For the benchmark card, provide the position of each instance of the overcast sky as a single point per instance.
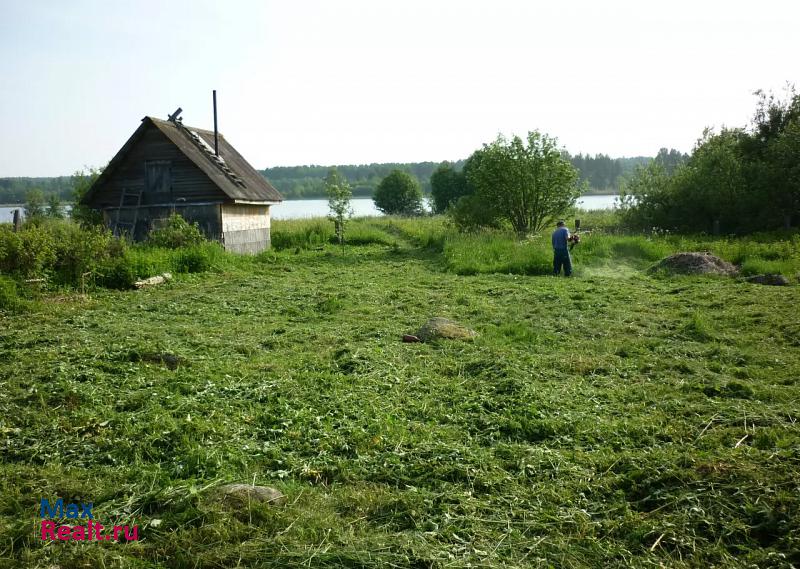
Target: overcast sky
(315, 82)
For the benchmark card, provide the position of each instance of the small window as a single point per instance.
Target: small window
(158, 181)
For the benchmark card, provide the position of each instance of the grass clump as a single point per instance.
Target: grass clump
(316, 233)
(494, 252)
(301, 233)
(9, 297)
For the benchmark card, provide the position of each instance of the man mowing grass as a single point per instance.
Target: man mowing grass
(561, 239)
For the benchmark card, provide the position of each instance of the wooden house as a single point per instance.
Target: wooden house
(166, 167)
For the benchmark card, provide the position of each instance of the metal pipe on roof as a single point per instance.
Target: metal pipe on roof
(216, 135)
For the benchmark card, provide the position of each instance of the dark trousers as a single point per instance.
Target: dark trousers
(561, 258)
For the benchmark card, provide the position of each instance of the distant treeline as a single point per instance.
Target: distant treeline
(15, 190)
(295, 182)
(602, 173)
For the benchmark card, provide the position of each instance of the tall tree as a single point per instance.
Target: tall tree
(772, 153)
(526, 184)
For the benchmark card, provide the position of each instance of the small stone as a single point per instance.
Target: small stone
(171, 361)
(769, 279)
(241, 495)
(442, 328)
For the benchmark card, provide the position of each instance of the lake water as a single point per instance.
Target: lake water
(293, 209)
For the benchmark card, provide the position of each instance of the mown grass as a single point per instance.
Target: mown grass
(606, 420)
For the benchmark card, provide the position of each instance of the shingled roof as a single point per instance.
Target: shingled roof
(230, 172)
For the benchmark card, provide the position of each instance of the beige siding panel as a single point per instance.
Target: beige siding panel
(245, 228)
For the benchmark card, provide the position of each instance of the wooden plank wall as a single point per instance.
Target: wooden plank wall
(189, 183)
(207, 217)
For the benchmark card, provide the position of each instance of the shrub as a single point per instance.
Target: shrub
(470, 213)
(197, 259)
(398, 194)
(81, 251)
(57, 249)
(447, 186)
(28, 253)
(176, 233)
(119, 273)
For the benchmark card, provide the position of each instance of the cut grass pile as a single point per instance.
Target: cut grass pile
(592, 422)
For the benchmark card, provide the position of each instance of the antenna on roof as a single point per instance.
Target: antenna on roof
(174, 116)
(216, 135)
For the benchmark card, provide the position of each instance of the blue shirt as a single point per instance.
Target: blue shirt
(560, 237)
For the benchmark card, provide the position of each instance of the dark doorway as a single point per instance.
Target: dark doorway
(157, 182)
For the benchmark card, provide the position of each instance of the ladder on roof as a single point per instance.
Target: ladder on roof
(129, 227)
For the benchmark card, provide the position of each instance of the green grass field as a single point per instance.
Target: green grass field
(609, 420)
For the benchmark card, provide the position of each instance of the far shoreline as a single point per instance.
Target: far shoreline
(309, 198)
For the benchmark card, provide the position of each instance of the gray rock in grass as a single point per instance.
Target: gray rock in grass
(241, 495)
(769, 279)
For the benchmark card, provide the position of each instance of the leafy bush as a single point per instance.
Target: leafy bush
(447, 186)
(198, 259)
(28, 253)
(470, 213)
(78, 252)
(118, 273)
(56, 249)
(176, 233)
(399, 194)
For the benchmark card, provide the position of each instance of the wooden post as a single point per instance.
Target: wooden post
(577, 225)
(17, 221)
